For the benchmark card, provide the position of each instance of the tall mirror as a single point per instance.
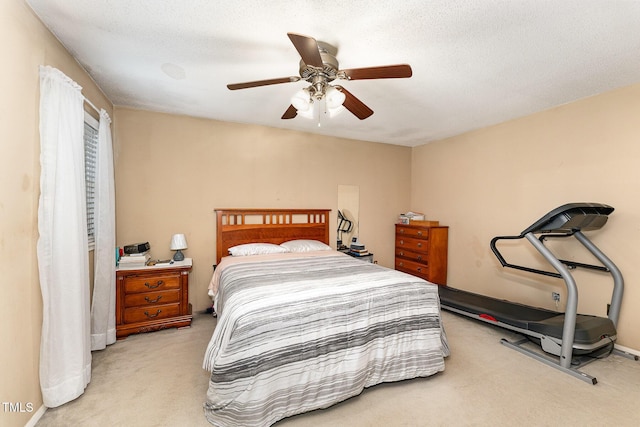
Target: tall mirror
(348, 212)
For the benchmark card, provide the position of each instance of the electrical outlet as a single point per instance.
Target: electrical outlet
(555, 296)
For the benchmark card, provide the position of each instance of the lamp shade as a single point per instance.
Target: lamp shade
(334, 97)
(309, 113)
(301, 100)
(178, 242)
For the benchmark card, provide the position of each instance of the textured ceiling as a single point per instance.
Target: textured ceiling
(475, 63)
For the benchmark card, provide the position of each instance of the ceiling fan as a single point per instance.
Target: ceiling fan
(319, 67)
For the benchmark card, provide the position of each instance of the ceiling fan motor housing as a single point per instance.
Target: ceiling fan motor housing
(330, 64)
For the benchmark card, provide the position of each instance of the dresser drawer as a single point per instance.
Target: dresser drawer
(415, 268)
(409, 243)
(419, 257)
(419, 233)
(151, 298)
(153, 312)
(157, 282)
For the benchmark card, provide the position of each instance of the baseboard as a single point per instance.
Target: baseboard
(627, 349)
(36, 416)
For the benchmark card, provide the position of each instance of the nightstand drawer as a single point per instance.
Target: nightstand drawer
(154, 312)
(411, 244)
(156, 282)
(150, 298)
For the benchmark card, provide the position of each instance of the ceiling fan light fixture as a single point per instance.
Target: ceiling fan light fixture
(335, 111)
(334, 98)
(309, 113)
(301, 100)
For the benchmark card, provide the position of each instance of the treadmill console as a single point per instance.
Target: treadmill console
(572, 217)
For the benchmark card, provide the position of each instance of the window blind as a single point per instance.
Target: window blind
(90, 157)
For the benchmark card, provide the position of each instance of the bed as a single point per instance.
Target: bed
(306, 327)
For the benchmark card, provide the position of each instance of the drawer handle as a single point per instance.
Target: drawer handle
(401, 253)
(151, 301)
(401, 230)
(419, 233)
(401, 264)
(402, 242)
(158, 284)
(419, 245)
(419, 257)
(151, 316)
(419, 269)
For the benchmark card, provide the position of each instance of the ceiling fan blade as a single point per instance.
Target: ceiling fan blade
(290, 113)
(257, 83)
(307, 47)
(384, 72)
(353, 104)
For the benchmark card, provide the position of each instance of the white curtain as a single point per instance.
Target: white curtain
(65, 348)
(103, 307)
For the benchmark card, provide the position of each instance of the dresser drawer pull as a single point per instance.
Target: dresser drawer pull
(402, 242)
(401, 264)
(151, 316)
(419, 245)
(401, 253)
(151, 301)
(419, 269)
(158, 284)
(419, 233)
(419, 258)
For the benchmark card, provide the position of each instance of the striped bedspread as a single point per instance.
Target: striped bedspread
(298, 333)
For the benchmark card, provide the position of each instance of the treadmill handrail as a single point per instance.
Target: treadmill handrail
(504, 262)
(575, 264)
(569, 263)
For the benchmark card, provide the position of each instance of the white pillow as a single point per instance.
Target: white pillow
(256, 249)
(305, 246)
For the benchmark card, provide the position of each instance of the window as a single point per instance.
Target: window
(90, 156)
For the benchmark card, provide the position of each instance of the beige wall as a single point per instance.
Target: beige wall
(25, 44)
(173, 171)
(499, 180)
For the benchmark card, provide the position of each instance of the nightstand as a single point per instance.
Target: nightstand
(152, 298)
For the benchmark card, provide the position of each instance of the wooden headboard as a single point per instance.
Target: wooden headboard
(240, 226)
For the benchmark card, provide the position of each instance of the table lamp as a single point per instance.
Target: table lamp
(178, 243)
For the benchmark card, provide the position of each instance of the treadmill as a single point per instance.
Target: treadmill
(572, 339)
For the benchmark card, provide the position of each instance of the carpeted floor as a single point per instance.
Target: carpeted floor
(156, 379)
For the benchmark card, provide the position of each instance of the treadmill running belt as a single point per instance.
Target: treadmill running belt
(589, 329)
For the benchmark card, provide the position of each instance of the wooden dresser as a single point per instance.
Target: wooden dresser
(152, 298)
(421, 250)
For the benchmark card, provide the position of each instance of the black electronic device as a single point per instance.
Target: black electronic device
(136, 248)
